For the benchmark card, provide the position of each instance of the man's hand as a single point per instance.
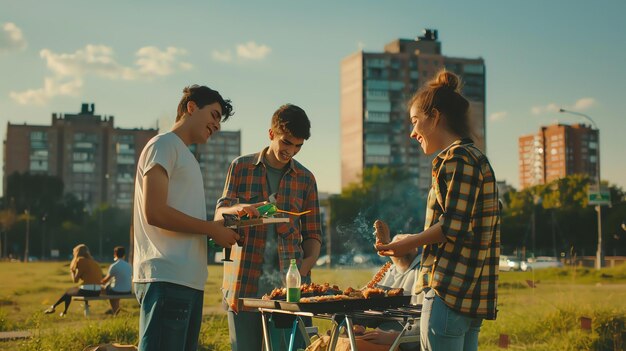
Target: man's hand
(223, 236)
(307, 265)
(358, 329)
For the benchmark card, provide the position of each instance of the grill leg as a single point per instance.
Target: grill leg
(266, 333)
(335, 331)
(86, 308)
(350, 332)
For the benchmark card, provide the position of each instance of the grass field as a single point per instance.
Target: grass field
(543, 318)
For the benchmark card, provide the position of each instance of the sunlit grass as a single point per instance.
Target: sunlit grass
(543, 318)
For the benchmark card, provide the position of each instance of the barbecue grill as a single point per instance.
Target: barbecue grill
(342, 313)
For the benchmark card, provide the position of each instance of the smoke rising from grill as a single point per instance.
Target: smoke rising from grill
(389, 195)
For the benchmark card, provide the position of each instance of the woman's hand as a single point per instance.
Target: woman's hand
(381, 231)
(398, 248)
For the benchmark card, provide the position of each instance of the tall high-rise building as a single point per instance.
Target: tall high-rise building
(557, 151)
(375, 90)
(215, 157)
(95, 160)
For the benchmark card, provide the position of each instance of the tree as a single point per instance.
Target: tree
(563, 218)
(38, 193)
(7, 220)
(382, 193)
(42, 195)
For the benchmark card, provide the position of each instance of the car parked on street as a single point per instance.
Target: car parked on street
(540, 263)
(510, 263)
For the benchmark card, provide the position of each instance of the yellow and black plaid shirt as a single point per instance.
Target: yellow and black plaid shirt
(463, 270)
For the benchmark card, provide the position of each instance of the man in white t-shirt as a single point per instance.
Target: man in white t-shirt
(118, 280)
(170, 226)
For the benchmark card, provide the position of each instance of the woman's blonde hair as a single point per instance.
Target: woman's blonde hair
(81, 250)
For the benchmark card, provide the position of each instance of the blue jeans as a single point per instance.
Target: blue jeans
(442, 328)
(170, 316)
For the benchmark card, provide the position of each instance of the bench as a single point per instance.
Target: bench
(15, 335)
(86, 299)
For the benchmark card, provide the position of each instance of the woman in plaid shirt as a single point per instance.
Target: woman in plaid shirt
(461, 237)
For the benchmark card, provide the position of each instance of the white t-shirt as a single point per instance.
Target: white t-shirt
(394, 278)
(121, 274)
(162, 255)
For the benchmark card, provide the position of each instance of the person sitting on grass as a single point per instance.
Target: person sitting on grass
(119, 279)
(82, 268)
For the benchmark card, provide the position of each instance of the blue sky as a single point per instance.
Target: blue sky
(132, 59)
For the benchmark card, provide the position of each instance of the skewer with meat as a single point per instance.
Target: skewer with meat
(383, 236)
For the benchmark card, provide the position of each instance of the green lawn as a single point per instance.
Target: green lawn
(543, 318)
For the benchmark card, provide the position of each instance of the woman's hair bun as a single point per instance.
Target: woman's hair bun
(448, 80)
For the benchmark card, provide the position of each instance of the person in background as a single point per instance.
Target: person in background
(261, 264)
(118, 280)
(400, 274)
(171, 228)
(85, 269)
(461, 237)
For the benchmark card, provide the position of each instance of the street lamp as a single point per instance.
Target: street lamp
(104, 198)
(43, 236)
(27, 215)
(598, 206)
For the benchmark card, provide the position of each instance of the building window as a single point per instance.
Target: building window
(377, 94)
(38, 151)
(377, 117)
(376, 62)
(377, 160)
(83, 167)
(81, 156)
(473, 69)
(379, 106)
(376, 138)
(377, 149)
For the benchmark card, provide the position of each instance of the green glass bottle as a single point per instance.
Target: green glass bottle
(293, 282)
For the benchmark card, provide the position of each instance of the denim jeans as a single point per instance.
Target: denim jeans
(442, 328)
(170, 316)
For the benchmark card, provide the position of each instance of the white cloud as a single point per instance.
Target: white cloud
(52, 87)
(253, 51)
(584, 103)
(222, 56)
(498, 116)
(539, 110)
(580, 105)
(11, 38)
(152, 61)
(93, 59)
(68, 69)
(185, 66)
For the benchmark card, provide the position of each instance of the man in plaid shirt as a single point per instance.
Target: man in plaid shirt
(262, 262)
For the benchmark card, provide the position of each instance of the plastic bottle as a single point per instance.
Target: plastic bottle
(293, 282)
